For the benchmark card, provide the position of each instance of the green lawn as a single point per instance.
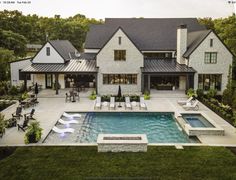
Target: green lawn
(82, 162)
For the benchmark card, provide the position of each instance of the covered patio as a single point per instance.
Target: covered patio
(166, 75)
(76, 74)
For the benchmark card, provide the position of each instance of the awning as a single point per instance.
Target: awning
(73, 66)
(165, 66)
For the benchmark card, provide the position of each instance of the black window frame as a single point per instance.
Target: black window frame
(48, 51)
(215, 82)
(210, 58)
(120, 55)
(211, 42)
(125, 79)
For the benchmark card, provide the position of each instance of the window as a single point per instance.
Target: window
(167, 55)
(209, 81)
(48, 51)
(119, 78)
(22, 75)
(120, 55)
(211, 42)
(210, 57)
(119, 40)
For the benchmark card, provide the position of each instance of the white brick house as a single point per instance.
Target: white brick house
(138, 55)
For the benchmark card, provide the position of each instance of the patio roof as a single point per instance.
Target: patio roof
(73, 66)
(165, 66)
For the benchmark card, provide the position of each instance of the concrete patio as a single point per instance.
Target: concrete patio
(49, 110)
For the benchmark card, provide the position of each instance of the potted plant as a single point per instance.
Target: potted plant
(2, 125)
(34, 133)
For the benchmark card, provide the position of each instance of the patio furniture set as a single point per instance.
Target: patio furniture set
(72, 95)
(189, 104)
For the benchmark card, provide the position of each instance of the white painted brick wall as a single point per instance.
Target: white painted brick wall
(224, 59)
(107, 65)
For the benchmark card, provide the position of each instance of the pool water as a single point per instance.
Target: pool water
(197, 120)
(159, 127)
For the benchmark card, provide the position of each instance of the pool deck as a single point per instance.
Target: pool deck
(49, 110)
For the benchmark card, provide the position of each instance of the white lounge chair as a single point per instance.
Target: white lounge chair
(68, 122)
(142, 104)
(183, 102)
(60, 131)
(112, 104)
(98, 103)
(71, 115)
(127, 103)
(193, 105)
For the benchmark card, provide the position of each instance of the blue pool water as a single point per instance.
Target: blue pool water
(197, 120)
(159, 127)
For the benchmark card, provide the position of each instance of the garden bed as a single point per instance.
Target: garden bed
(5, 104)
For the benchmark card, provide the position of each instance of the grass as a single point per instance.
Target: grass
(86, 162)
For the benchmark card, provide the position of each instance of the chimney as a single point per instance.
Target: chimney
(182, 32)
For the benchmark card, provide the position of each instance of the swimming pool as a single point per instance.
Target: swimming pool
(159, 127)
(197, 120)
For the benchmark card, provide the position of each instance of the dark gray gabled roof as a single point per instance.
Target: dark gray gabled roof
(145, 33)
(165, 66)
(77, 66)
(194, 40)
(88, 56)
(64, 48)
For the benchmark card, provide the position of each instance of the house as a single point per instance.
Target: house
(138, 54)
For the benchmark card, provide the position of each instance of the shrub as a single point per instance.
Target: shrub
(211, 93)
(191, 93)
(200, 93)
(227, 97)
(147, 95)
(93, 95)
(13, 90)
(2, 91)
(2, 125)
(25, 95)
(34, 133)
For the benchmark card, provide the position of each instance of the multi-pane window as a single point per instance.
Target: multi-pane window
(48, 51)
(119, 55)
(119, 78)
(209, 81)
(22, 76)
(210, 57)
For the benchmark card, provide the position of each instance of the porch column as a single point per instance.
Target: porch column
(149, 83)
(56, 83)
(25, 82)
(96, 82)
(142, 83)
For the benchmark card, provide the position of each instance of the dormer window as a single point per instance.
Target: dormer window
(119, 40)
(48, 51)
(211, 42)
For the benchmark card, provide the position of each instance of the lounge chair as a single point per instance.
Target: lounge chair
(142, 104)
(127, 103)
(68, 122)
(60, 131)
(98, 103)
(23, 126)
(18, 113)
(193, 105)
(112, 104)
(71, 115)
(33, 101)
(183, 102)
(30, 115)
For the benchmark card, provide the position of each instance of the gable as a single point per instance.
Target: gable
(106, 53)
(204, 40)
(54, 57)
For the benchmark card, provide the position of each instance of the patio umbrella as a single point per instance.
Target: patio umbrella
(119, 95)
(36, 89)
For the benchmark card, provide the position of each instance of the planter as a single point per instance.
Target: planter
(32, 138)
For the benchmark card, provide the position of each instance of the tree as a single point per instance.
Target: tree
(5, 57)
(13, 41)
(228, 93)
